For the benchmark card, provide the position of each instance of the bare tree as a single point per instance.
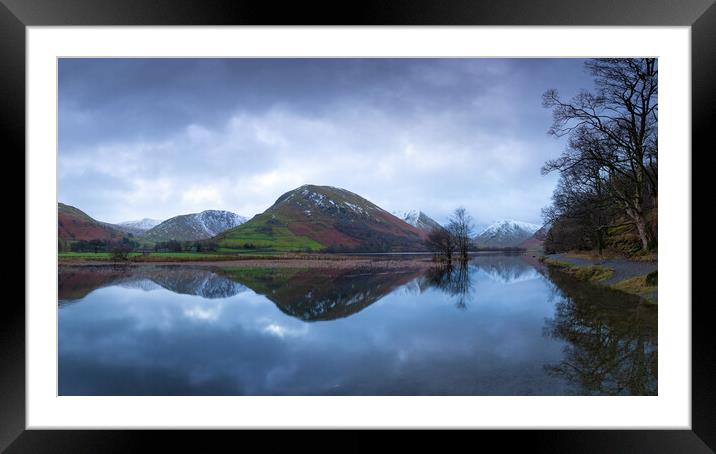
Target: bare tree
(440, 241)
(582, 209)
(461, 228)
(614, 134)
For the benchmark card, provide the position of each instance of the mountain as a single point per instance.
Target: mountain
(506, 233)
(195, 226)
(75, 224)
(536, 241)
(324, 217)
(419, 220)
(541, 234)
(142, 224)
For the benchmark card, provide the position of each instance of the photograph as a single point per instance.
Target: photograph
(425, 217)
(286, 226)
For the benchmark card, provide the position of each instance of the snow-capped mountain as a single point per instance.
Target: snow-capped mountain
(506, 233)
(418, 219)
(142, 224)
(195, 226)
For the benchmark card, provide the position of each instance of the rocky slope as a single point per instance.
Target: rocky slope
(419, 220)
(195, 226)
(506, 233)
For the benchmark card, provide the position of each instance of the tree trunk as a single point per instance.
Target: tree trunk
(599, 241)
(643, 232)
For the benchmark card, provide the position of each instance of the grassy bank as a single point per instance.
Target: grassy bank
(638, 285)
(642, 285)
(142, 257)
(590, 273)
(256, 260)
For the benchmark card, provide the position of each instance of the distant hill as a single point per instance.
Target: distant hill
(506, 233)
(195, 226)
(74, 224)
(536, 241)
(140, 225)
(419, 220)
(324, 218)
(542, 232)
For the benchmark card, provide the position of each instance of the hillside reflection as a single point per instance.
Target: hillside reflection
(308, 294)
(323, 294)
(76, 282)
(507, 269)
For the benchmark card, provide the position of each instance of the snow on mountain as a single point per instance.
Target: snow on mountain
(417, 219)
(507, 225)
(311, 199)
(214, 222)
(411, 217)
(142, 224)
(195, 226)
(506, 233)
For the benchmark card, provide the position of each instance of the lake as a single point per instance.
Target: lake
(503, 325)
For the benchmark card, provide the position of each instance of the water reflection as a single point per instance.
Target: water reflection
(453, 280)
(308, 294)
(76, 282)
(611, 339)
(195, 330)
(507, 269)
(325, 294)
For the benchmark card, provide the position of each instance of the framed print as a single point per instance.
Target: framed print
(410, 217)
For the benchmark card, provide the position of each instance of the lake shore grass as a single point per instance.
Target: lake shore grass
(636, 276)
(258, 260)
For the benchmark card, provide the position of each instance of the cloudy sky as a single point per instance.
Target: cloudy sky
(160, 137)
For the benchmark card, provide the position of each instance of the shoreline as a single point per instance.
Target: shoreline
(636, 277)
(338, 262)
(286, 260)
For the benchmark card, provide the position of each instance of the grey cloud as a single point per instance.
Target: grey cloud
(160, 137)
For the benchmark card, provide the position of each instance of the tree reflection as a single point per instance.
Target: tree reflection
(611, 339)
(453, 280)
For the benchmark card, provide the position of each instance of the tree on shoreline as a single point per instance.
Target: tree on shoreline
(440, 241)
(461, 228)
(455, 239)
(611, 157)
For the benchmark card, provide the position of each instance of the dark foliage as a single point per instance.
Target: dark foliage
(120, 253)
(168, 246)
(608, 172)
(442, 243)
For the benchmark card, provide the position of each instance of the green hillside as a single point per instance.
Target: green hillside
(315, 218)
(266, 232)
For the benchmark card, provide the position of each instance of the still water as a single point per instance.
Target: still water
(503, 325)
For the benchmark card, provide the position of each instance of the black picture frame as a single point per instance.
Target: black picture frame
(16, 15)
